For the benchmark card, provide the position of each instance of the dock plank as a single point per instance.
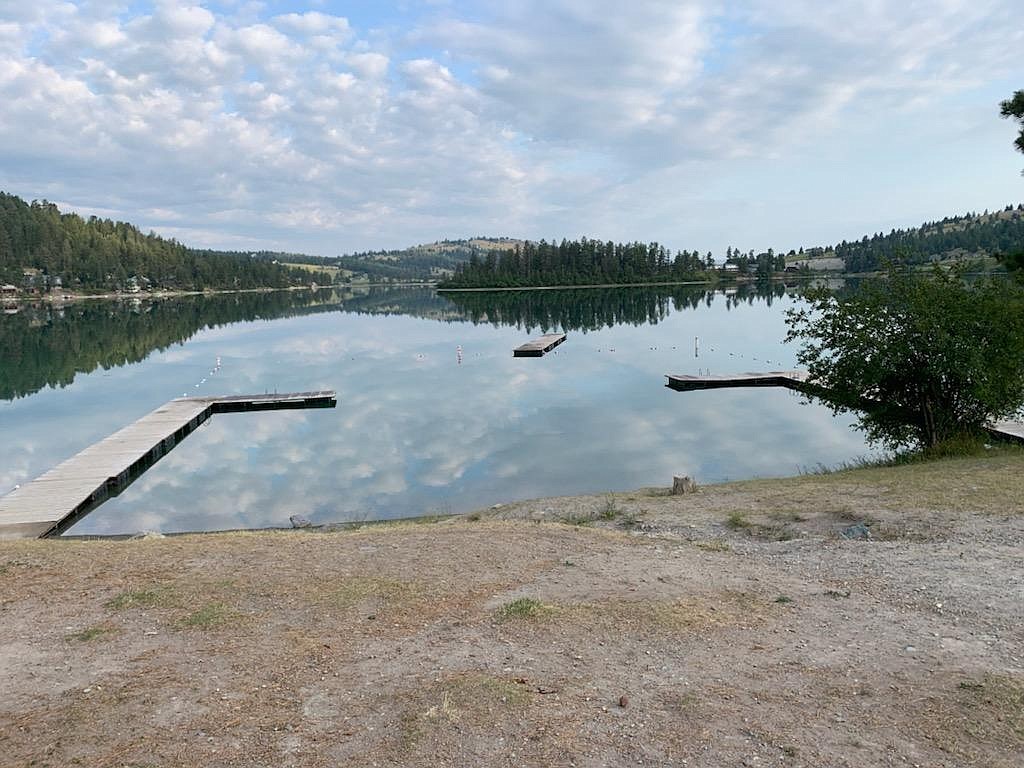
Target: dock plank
(59, 497)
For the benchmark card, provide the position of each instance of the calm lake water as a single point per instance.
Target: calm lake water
(418, 430)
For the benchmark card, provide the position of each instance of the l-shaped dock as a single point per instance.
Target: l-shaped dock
(800, 382)
(56, 500)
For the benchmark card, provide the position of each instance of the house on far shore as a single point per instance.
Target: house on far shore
(8, 290)
(731, 268)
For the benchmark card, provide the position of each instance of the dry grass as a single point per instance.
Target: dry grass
(448, 706)
(384, 594)
(645, 617)
(985, 710)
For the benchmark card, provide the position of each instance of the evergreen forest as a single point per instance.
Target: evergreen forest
(42, 248)
(973, 234)
(578, 262)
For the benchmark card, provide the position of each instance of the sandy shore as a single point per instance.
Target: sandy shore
(734, 626)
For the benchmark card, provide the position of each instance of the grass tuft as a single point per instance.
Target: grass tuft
(155, 597)
(522, 608)
(91, 633)
(737, 521)
(577, 520)
(210, 616)
(630, 520)
(608, 510)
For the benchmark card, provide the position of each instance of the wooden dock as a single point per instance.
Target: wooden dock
(790, 379)
(1007, 430)
(55, 501)
(539, 347)
(798, 380)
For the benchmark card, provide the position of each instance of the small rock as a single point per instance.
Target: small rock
(298, 521)
(623, 701)
(856, 531)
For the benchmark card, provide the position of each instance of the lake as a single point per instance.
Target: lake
(421, 427)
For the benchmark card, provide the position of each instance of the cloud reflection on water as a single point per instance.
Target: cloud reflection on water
(415, 432)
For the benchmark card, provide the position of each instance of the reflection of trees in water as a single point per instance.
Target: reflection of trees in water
(46, 345)
(594, 308)
(416, 302)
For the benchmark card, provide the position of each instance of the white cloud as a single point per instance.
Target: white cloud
(304, 131)
(314, 23)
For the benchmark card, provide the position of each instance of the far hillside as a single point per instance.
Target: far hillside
(975, 238)
(429, 262)
(972, 236)
(43, 249)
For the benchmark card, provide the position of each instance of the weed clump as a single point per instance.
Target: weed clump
(209, 616)
(609, 510)
(89, 634)
(156, 597)
(522, 608)
(737, 521)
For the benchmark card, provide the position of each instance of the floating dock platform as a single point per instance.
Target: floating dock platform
(55, 501)
(539, 347)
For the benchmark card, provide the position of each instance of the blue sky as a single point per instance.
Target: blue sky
(330, 127)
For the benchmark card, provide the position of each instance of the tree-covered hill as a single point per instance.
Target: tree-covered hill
(433, 261)
(508, 262)
(577, 262)
(970, 235)
(41, 248)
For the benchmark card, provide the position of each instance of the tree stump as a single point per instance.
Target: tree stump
(681, 485)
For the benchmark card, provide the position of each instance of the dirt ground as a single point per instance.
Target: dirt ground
(734, 626)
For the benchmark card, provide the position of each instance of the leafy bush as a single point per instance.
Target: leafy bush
(924, 357)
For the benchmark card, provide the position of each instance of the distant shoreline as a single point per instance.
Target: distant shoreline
(567, 287)
(733, 281)
(62, 298)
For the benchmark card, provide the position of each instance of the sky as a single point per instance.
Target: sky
(334, 127)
